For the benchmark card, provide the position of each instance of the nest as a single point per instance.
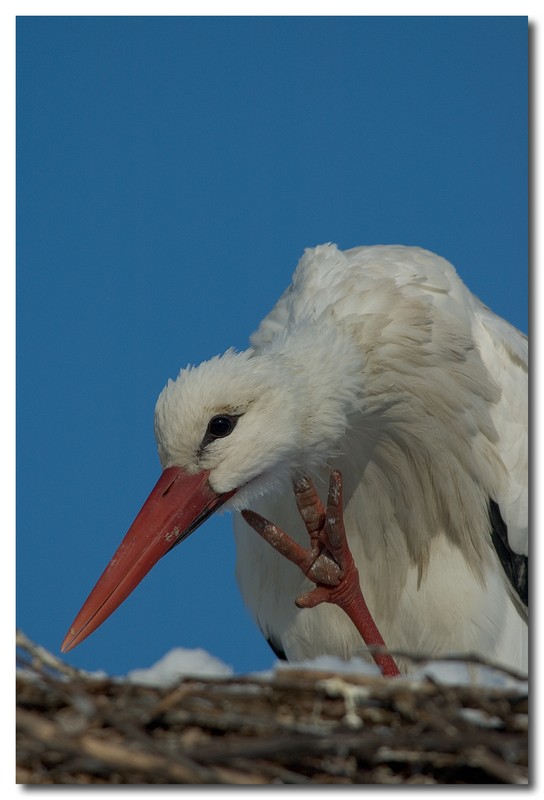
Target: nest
(294, 727)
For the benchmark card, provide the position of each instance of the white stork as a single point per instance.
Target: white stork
(377, 362)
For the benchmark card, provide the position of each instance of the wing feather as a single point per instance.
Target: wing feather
(504, 351)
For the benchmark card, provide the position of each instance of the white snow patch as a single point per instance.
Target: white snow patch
(180, 663)
(354, 666)
(448, 672)
(466, 673)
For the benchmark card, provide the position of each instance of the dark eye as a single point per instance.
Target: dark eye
(221, 426)
(218, 427)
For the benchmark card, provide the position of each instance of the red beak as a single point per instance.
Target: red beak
(178, 504)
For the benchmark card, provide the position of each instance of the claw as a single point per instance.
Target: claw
(328, 562)
(279, 540)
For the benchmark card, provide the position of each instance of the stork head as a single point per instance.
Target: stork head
(230, 429)
(238, 419)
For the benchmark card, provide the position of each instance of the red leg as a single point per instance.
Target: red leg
(328, 562)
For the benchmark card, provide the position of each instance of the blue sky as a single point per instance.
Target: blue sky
(170, 172)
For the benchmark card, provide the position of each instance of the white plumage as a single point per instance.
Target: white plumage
(379, 362)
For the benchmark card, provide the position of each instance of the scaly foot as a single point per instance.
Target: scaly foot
(328, 562)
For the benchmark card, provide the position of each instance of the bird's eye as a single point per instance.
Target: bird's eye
(221, 426)
(218, 427)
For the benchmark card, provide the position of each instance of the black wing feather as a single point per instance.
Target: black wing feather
(514, 564)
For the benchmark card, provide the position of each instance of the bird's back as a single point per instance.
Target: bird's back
(355, 282)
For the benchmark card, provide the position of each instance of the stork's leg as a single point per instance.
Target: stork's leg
(328, 562)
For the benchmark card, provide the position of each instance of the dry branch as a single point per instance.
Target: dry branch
(298, 727)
